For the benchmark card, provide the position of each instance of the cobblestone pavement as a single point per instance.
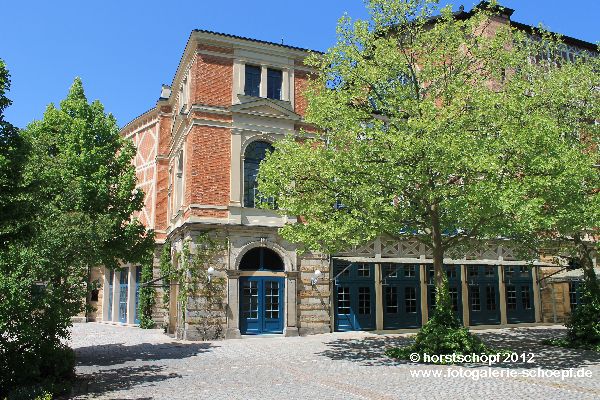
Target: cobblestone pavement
(116, 362)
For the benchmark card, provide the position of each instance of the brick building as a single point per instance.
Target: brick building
(198, 154)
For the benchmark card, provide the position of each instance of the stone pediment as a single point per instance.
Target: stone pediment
(266, 108)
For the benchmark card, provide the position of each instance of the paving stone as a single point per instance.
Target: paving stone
(117, 362)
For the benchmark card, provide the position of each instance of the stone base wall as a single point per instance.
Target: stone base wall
(313, 301)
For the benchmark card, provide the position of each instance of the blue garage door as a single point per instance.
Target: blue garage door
(401, 296)
(354, 301)
(261, 305)
(454, 287)
(484, 296)
(519, 294)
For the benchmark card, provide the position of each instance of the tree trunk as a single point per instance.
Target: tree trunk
(586, 262)
(436, 241)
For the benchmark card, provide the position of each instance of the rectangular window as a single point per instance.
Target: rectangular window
(432, 298)
(524, 271)
(573, 295)
(274, 79)
(473, 272)
(252, 84)
(409, 271)
(475, 298)
(343, 300)
(490, 292)
(390, 271)
(272, 300)
(250, 299)
(410, 299)
(391, 299)
(364, 300)
(490, 271)
(454, 298)
(526, 297)
(511, 297)
(451, 271)
(364, 270)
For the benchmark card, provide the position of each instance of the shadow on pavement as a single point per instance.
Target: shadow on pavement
(370, 351)
(117, 353)
(112, 376)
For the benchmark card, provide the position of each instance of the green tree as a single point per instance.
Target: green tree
(81, 188)
(431, 127)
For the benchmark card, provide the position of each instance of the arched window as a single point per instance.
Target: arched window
(260, 259)
(254, 154)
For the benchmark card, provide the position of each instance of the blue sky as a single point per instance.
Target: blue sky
(124, 50)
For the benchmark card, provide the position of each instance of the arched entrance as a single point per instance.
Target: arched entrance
(261, 294)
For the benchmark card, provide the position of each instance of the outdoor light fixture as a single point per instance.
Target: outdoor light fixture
(211, 272)
(315, 278)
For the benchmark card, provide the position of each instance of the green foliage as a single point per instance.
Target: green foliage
(79, 184)
(165, 267)
(147, 296)
(583, 327)
(442, 334)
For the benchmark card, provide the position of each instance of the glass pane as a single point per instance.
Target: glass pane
(472, 271)
(272, 299)
(409, 271)
(525, 297)
(364, 270)
(274, 79)
(364, 300)
(343, 300)
(475, 298)
(252, 85)
(250, 299)
(410, 299)
(390, 271)
(454, 297)
(490, 271)
(254, 154)
(391, 299)
(490, 298)
(511, 298)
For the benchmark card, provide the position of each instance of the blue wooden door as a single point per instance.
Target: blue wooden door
(453, 273)
(138, 278)
(401, 296)
(484, 294)
(261, 305)
(519, 294)
(110, 294)
(123, 290)
(354, 301)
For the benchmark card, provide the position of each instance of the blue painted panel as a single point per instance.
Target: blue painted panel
(519, 294)
(354, 301)
(261, 305)
(401, 296)
(484, 294)
(123, 291)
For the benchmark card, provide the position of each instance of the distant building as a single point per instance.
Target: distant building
(198, 152)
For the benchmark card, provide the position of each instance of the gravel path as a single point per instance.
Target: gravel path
(116, 362)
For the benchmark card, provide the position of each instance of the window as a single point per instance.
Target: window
(451, 271)
(390, 271)
(490, 271)
(454, 298)
(409, 271)
(410, 299)
(490, 298)
(364, 270)
(343, 300)
(364, 300)
(573, 287)
(391, 299)
(94, 296)
(254, 154)
(475, 299)
(526, 297)
(272, 299)
(252, 85)
(250, 299)
(511, 297)
(274, 79)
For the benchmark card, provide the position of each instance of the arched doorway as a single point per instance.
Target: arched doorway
(262, 294)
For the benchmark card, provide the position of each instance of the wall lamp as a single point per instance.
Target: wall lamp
(315, 277)
(211, 273)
